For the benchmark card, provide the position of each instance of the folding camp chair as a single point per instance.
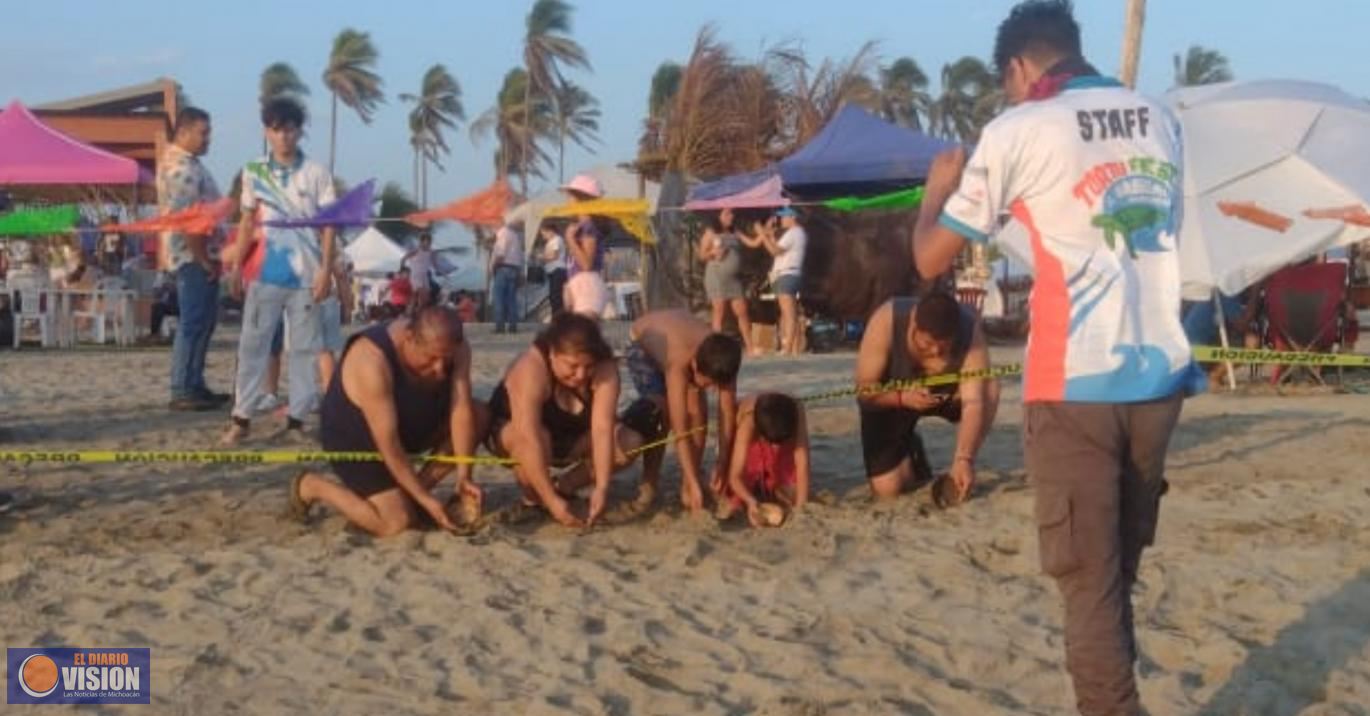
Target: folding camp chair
(1304, 308)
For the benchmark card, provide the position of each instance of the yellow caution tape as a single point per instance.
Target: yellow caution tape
(1216, 354)
(226, 457)
(1202, 354)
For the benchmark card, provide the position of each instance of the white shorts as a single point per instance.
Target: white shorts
(587, 294)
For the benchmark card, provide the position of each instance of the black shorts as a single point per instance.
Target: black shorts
(888, 435)
(365, 478)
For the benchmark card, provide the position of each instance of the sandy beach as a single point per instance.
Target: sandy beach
(1256, 599)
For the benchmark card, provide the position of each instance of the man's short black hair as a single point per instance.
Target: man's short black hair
(938, 315)
(776, 417)
(282, 112)
(188, 116)
(718, 358)
(1045, 28)
(437, 322)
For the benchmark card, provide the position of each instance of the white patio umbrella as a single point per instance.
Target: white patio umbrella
(1285, 146)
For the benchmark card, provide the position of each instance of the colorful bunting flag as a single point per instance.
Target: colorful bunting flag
(484, 208)
(197, 220)
(351, 209)
(39, 222)
(903, 199)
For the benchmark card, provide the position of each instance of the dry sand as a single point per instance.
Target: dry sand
(1256, 599)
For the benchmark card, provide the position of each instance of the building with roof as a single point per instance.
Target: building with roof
(133, 122)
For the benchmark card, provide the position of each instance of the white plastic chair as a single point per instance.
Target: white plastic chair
(33, 304)
(105, 311)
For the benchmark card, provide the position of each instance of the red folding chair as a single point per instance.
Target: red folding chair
(1305, 312)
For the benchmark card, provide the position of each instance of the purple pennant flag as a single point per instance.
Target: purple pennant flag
(352, 209)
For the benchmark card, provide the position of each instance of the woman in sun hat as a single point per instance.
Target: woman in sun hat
(586, 292)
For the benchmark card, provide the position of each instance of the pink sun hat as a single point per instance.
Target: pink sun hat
(584, 184)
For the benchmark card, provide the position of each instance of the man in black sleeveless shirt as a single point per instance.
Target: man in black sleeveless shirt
(402, 387)
(906, 339)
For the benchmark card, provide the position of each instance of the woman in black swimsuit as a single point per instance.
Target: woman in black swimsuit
(555, 407)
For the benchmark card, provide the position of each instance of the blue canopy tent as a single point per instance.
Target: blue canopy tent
(860, 154)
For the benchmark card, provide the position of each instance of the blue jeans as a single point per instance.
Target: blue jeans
(262, 312)
(505, 286)
(197, 295)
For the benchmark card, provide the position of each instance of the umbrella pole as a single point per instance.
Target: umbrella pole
(1222, 333)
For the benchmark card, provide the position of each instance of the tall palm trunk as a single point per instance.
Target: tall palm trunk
(333, 134)
(416, 172)
(561, 156)
(1132, 41)
(423, 168)
(527, 131)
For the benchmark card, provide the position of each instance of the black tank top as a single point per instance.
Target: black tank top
(901, 365)
(422, 411)
(561, 424)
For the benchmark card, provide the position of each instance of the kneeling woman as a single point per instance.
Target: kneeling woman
(555, 407)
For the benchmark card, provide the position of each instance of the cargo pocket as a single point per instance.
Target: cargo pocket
(1146, 526)
(1055, 535)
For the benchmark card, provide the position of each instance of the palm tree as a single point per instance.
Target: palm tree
(394, 204)
(1201, 66)
(351, 77)
(665, 85)
(904, 97)
(967, 100)
(516, 128)
(651, 145)
(546, 47)
(279, 79)
(425, 148)
(577, 119)
(813, 99)
(437, 106)
(720, 116)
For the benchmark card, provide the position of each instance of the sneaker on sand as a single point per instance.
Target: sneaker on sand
(6, 502)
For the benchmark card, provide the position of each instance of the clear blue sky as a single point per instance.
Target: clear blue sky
(55, 49)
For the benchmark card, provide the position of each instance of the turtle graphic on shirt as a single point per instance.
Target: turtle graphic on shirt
(1137, 224)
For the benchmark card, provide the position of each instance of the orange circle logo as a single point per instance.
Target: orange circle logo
(38, 676)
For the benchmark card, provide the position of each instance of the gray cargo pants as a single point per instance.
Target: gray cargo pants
(1098, 472)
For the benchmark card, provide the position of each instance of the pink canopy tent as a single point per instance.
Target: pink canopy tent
(767, 194)
(32, 153)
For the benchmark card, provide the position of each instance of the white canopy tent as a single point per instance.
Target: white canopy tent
(374, 254)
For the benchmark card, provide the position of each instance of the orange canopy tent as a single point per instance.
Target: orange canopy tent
(484, 208)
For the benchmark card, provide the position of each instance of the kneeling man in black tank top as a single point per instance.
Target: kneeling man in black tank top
(402, 387)
(907, 339)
